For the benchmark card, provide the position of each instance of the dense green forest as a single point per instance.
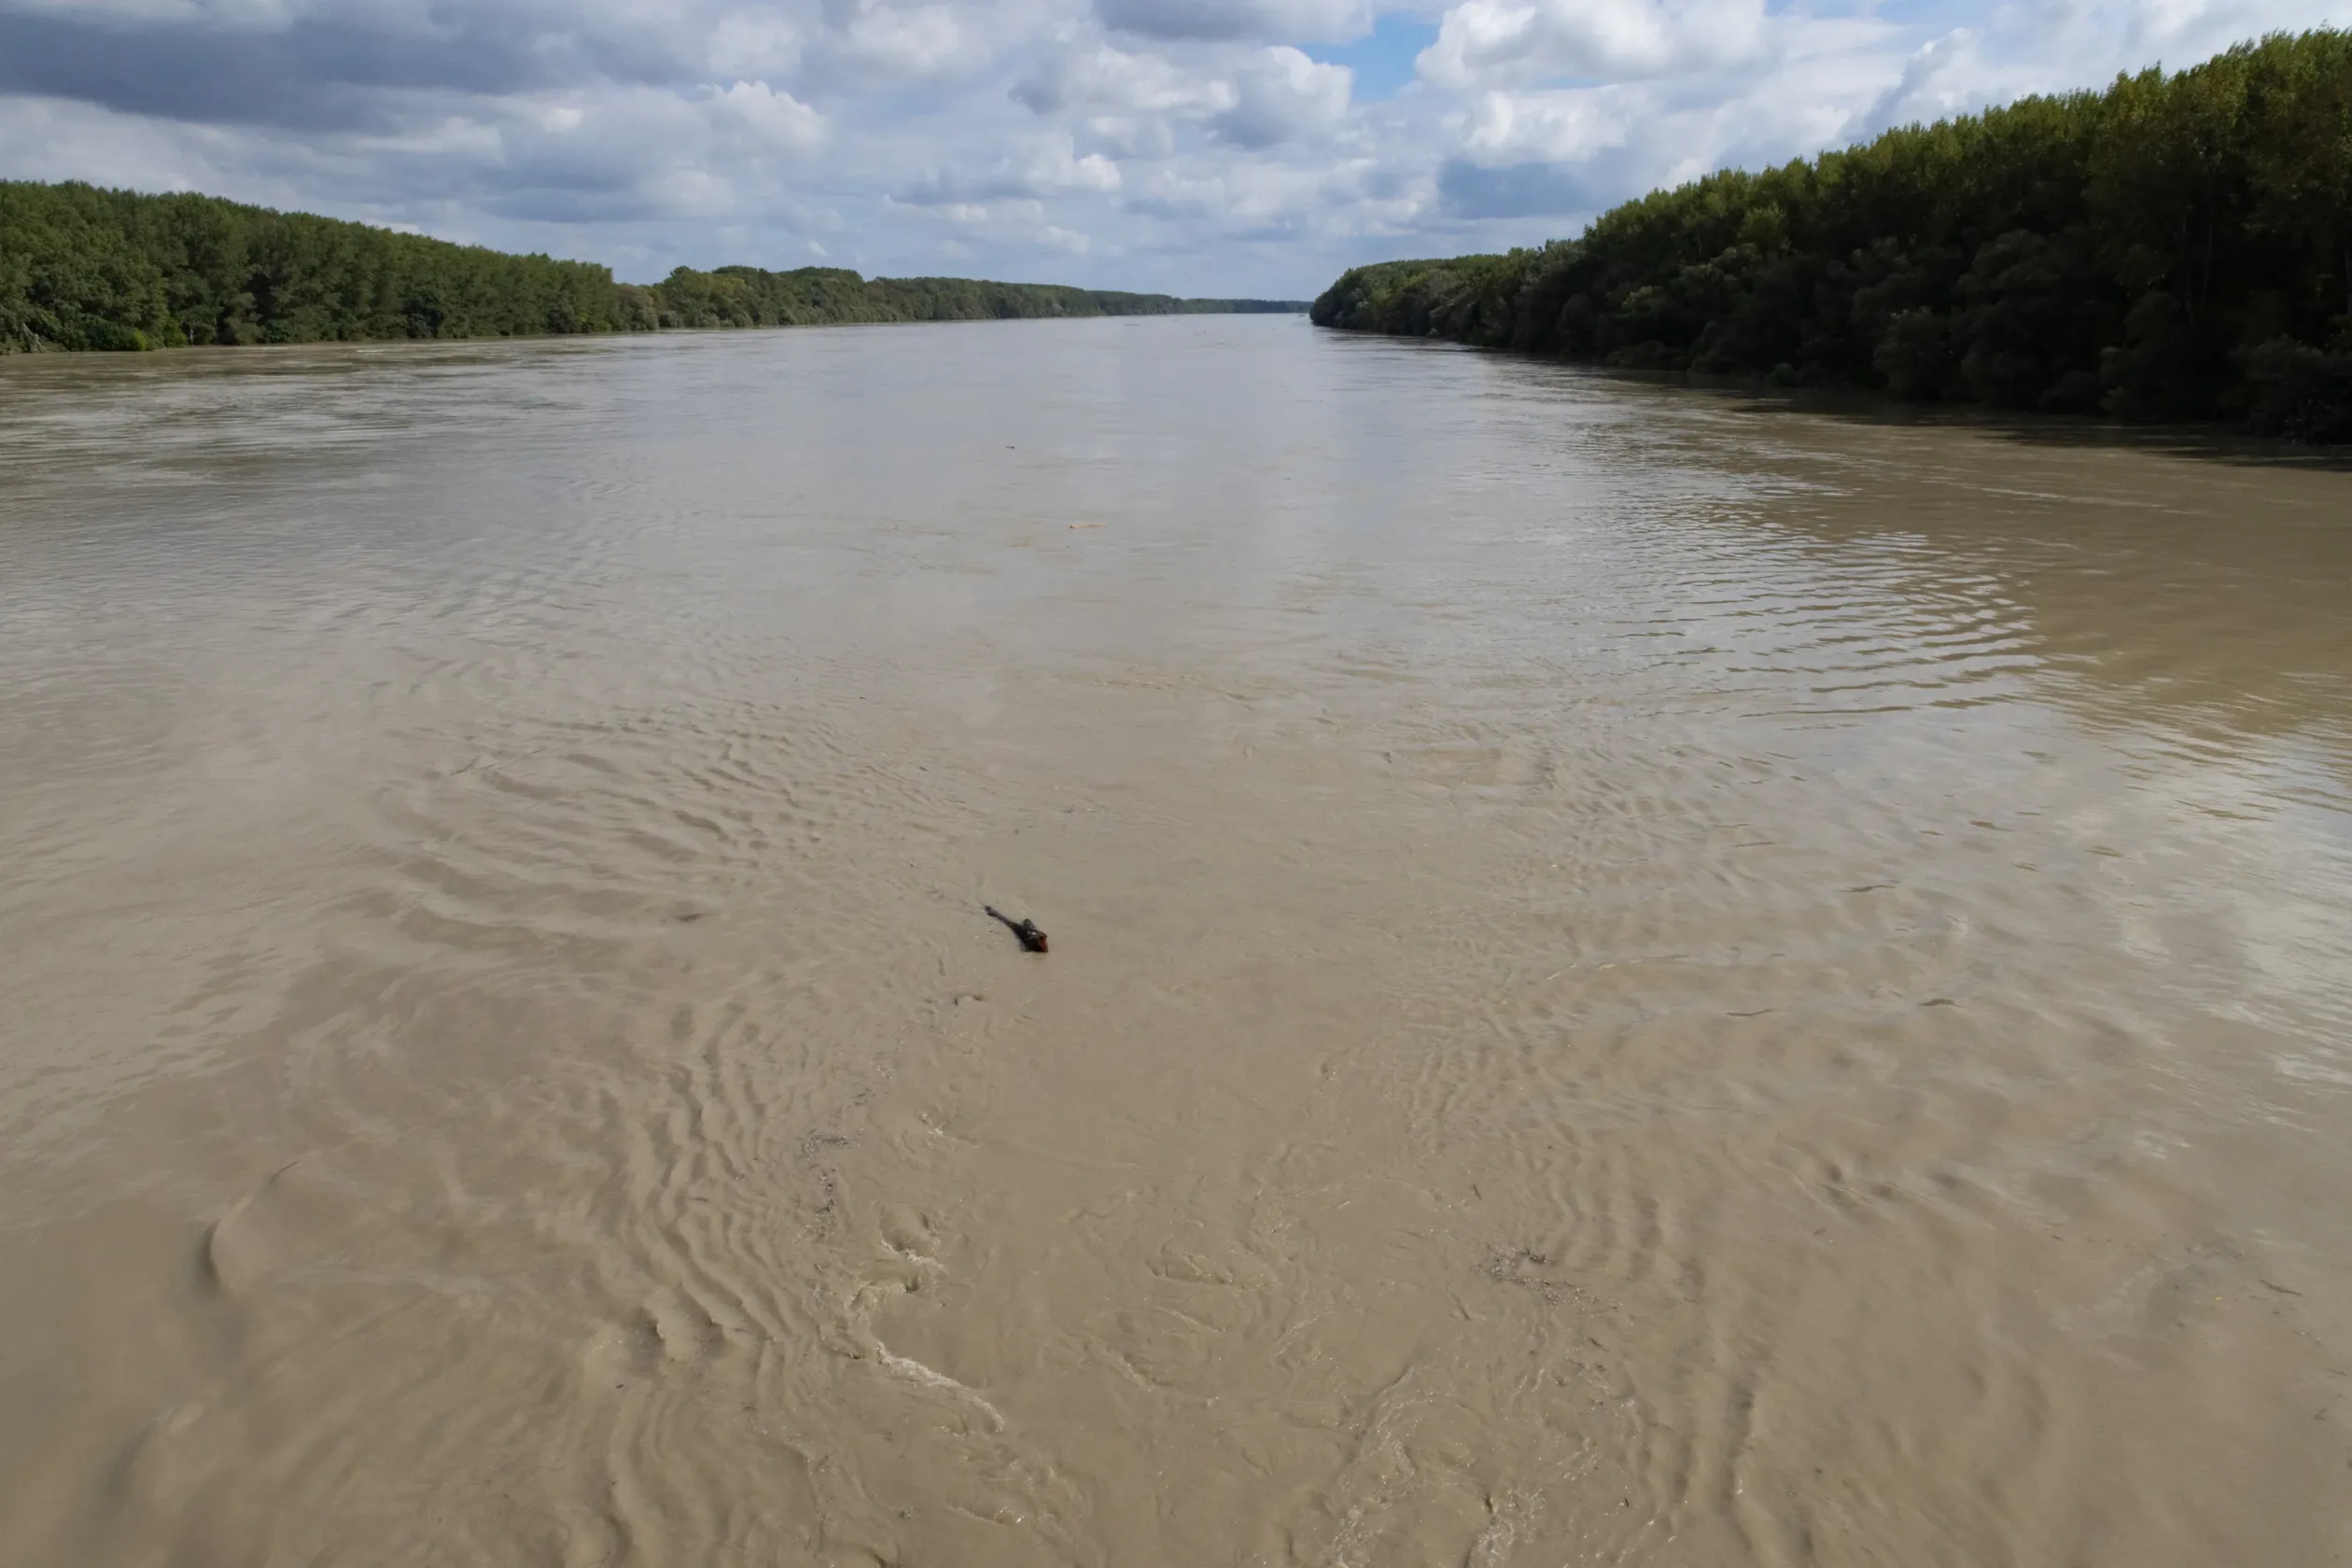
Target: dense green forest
(84, 268)
(2178, 246)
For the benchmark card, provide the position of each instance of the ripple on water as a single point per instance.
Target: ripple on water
(1636, 977)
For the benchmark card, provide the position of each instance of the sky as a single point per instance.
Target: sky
(1250, 147)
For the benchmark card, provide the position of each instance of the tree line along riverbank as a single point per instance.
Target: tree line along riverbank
(2178, 245)
(82, 267)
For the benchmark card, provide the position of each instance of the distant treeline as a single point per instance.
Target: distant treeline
(2178, 246)
(810, 295)
(82, 267)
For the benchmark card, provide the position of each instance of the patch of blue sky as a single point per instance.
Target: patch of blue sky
(1382, 60)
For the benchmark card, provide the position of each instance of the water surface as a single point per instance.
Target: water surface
(1636, 977)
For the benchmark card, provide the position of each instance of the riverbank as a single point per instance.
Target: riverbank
(2178, 247)
(82, 267)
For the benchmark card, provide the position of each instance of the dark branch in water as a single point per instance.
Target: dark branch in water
(1032, 940)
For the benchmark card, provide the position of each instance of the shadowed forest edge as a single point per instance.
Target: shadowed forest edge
(2176, 247)
(82, 267)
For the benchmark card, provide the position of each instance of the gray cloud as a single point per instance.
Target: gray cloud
(1280, 20)
(1052, 169)
(1516, 189)
(317, 72)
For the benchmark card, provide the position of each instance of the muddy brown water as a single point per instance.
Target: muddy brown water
(1636, 978)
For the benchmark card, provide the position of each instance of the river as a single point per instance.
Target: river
(1636, 976)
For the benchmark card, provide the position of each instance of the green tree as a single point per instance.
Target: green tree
(2180, 244)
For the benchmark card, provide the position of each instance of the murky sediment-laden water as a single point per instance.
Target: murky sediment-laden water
(1636, 978)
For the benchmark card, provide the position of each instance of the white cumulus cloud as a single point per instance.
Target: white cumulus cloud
(1494, 42)
(1279, 95)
